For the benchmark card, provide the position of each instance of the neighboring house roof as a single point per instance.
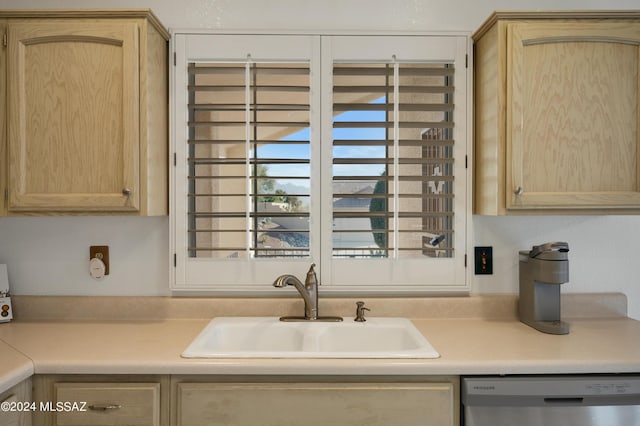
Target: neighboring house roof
(356, 202)
(352, 203)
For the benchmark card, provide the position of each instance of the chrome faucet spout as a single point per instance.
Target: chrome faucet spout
(308, 291)
(283, 281)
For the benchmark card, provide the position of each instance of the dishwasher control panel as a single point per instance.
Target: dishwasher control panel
(567, 400)
(551, 385)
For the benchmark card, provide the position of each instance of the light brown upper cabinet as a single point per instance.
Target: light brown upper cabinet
(87, 112)
(556, 113)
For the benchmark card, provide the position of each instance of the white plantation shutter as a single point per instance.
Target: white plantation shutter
(240, 162)
(348, 152)
(393, 161)
(242, 192)
(398, 134)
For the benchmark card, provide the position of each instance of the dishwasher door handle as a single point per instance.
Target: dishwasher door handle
(563, 401)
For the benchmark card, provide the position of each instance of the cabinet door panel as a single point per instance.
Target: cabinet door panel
(3, 124)
(73, 116)
(7, 417)
(18, 395)
(572, 111)
(315, 404)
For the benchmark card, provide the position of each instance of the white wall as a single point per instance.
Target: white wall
(49, 255)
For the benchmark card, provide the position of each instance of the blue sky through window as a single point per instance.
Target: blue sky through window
(302, 151)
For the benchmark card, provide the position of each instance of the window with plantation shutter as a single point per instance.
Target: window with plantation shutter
(345, 151)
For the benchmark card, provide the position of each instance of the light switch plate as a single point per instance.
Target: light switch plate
(483, 260)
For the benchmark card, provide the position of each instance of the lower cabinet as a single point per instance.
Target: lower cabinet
(71, 400)
(16, 405)
(432, 402)
(105, 400)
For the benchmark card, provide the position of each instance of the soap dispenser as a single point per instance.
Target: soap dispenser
(542, 270)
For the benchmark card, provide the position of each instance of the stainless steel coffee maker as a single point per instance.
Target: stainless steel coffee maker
(542, 270)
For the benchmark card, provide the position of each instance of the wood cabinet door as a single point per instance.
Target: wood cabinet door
(73, 108)
(315, 404)
(3, 124)
(11, 417)
(572, 115)
(18, 411)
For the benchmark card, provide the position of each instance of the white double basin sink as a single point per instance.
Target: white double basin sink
(268, 337)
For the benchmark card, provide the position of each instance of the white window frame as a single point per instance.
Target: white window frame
(251, 277)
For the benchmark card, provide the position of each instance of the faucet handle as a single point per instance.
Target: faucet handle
(312, 278)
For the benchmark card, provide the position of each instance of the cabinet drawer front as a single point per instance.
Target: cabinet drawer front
(108, 404)
(280, 404)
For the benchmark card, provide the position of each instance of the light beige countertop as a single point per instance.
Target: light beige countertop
(602, 342)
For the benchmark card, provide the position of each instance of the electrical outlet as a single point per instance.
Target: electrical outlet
(484, 260)
(102, 253)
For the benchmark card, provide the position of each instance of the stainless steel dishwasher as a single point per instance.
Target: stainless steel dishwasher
(593, 400)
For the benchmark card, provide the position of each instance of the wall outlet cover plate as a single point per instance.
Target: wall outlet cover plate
(102, 253)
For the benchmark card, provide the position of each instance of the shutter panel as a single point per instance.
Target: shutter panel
(393, 180)
(248, 160)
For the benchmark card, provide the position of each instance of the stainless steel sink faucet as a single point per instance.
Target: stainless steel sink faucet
(308, 291)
